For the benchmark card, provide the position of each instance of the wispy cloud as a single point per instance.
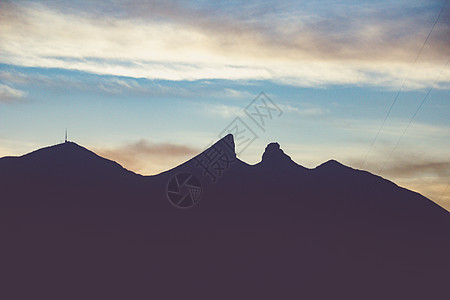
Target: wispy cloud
(175, 41)
(120, 86)
(393, 128)
(223, 111)
(9, 94)
(148, 158)
(305, 109)
(415, 166)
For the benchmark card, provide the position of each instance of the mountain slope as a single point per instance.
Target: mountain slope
(73, 223)
(50, 161)
(64, 175)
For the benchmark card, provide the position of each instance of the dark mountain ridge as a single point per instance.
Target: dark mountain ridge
(54, 159)
(270, 230)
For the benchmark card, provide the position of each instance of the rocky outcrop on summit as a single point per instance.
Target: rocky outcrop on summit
(274, 154)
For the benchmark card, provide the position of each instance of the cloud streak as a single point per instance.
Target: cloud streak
(72, 81)
(305, 109)
(9, 94)
(148, 158)
(174, 41)
(411, 168)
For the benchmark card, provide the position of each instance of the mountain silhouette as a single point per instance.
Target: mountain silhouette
(76, 224)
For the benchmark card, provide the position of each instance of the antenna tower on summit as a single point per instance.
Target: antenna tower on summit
(65, 139)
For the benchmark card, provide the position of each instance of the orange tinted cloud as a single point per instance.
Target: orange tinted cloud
(426, 175)
(148, 158)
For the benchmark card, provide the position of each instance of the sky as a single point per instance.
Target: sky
(150, 84)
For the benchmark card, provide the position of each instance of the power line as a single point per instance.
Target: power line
(412, 118)
(443, 192)
(403, 84)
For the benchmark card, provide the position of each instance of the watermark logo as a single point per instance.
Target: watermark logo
(184, 190)
(216, 160)
(262, 110)
(243, 134)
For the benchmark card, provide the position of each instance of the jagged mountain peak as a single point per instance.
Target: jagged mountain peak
(228, 141)
(274, 155)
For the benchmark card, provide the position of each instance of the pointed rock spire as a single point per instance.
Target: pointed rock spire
(226, 144)
(274, 153)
